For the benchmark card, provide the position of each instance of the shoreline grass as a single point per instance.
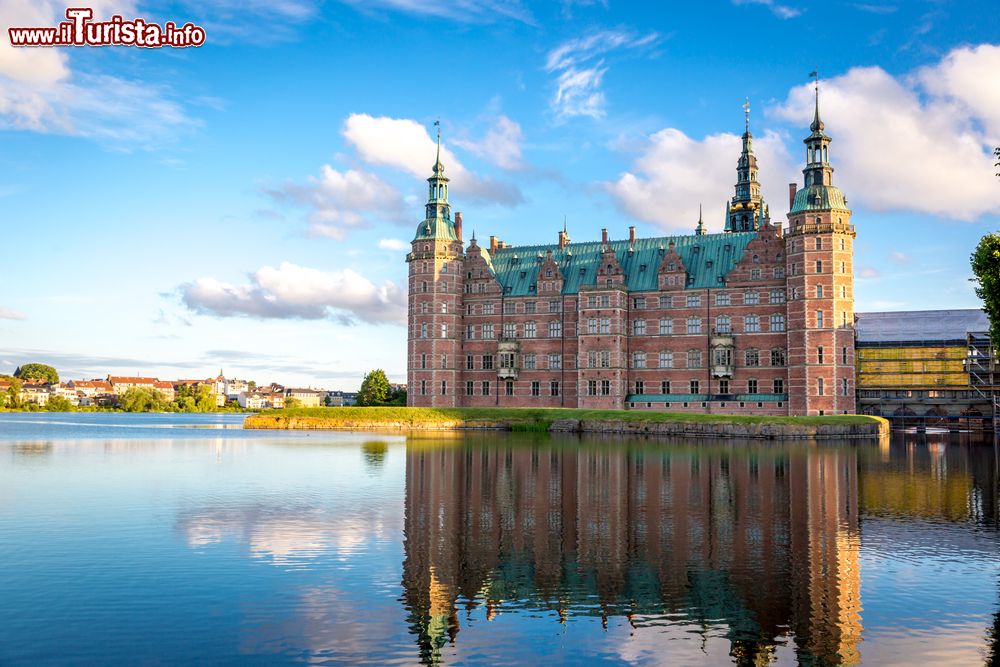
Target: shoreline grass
(527, 419)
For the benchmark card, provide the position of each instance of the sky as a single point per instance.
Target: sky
(247, 205)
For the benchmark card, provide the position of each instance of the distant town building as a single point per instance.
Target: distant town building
(307, 398)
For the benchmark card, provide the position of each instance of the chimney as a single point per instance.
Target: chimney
(493, 244)
(458, 225)
(562, 239)
(792, 188)
(631, 235)
(604, 236)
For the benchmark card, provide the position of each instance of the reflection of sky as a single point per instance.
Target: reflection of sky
(929, 592)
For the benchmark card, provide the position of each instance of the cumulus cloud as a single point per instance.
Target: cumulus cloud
(917, 143)
(297, 292)
(674, 173)
(9, 314)
(393, 244)
(579, 65)
(340, 200)
(40, 92)
(501, 145)
(405, 144)
(779, 10)
(868, 273)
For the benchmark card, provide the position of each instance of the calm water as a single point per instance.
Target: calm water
(183, 539)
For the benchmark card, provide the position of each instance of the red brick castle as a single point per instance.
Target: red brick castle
(755, 320)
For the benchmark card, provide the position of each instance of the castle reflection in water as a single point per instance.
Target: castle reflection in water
(759, 543)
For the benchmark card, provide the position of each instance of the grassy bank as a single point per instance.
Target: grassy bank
(565, 419)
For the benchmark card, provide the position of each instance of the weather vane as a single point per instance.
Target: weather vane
(815, 75)
(746, 109)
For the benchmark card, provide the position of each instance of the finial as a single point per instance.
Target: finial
(700, 229)
(437, 162)
(564, 224)
(746, 110)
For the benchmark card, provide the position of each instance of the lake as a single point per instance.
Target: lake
(170, 539)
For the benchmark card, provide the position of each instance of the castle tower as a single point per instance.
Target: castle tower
(435, 299)
(820, 270)
(745, 211)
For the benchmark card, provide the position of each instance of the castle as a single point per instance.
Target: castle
(754, 320)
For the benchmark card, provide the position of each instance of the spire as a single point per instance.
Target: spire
(564, 225)
(700, 229)
(746, 109)
(744, 212)
(817, 125)
(438, 167)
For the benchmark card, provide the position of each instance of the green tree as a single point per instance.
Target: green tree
(292, 402)
(142, 399)
(204, 399)
(374, 388)
(59, 404)
(42, 372)
(12, 397)
(986, 268)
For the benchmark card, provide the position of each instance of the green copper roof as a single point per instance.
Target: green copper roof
(818, 198)
(707, 259)
(436, 228)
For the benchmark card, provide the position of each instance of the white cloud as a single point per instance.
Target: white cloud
(920, 143)
(580, 68)
(340, 200)
(462, 11)
(405, 144)
(779, 10)
(393, 244)
(9, 314)
(501, 145)
(297, 292)
(41, 93)
(674, 173)
(899, 257)
(868, 273)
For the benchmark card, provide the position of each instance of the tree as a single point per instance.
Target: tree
(986, 267)
(292, 402)
(59, 404)
(142, 399)
(204, 399)
(374, 388)
(12, 397)
(42, 372)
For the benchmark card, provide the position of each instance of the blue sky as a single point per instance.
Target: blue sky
(247, 204)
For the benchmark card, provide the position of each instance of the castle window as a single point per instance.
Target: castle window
(423, 308)
(605, 387)
(671, 266)
(751, 323)
(779, 386)
(529, 307)
(820, 386)
(592, 325)
(523, 274)
(694, 325)
(639, 360)
(423, 361)
(426, 248)
(555, 361)
(529, 361)
(778, 357)
(819, 291)
(722, 299)
(843, 267)
(509, 330)
(752, 358)
(638, 303)
(591, 387)
(777, 322)
(423, 286)
(640, 387)
(639, 327)
(642, 268)
(695, 387)
(819, 266)
(470, 332)
(548, 273)
(756, 259)
(592, 359)
(468, 362)
(555, 329)
(469, 388)
(605, 301)
(819, 241)
(535, 388)
(819, 354)
(755, 273)
(485, 387)
(529, 329)
(423, 387)
(694, 358)
(693, 301)
(665, 387)
(508, 307)
(751, 298)
(666, 326)
(752, 386)
(610, 268)
(819, 319)
(844, 387)
(487, 331)
(605, 325)
(583, 272)
(555, 306)
(723, 324)
(666, 360)
(508, 388)
(444, 331)
(723, 387)
(423, 330)
(554, 388)
(444, 307)
(779, 272)
(444, 387)
(665, 302)
(487, 362)
(843, 356)
(610, 283)
(605, 359)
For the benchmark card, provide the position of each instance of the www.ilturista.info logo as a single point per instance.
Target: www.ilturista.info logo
(80, 30)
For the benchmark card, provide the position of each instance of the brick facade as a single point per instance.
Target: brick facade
(755, 320)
